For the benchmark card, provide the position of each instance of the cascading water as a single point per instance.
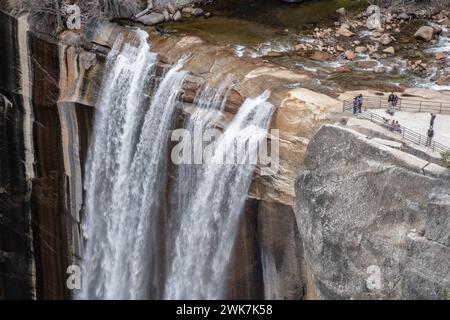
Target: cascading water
(207, 228)
(123, 170)
(125, 174)
(208, 107)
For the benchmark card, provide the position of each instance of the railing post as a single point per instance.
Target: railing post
(440, 108)
(420, 106)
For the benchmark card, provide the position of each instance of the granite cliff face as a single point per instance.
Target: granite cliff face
(374, 220)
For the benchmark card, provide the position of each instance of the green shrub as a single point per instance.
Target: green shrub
(446, 159)
(445, 294)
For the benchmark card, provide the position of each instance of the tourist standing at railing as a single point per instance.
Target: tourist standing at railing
(433, 116)
(392, 103)
(355, 104)
(397, 127)
(360, 102)
(395, 102)
(392, 125)
(430, 135)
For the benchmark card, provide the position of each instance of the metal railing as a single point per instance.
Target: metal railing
(410, 105)
(406, 133)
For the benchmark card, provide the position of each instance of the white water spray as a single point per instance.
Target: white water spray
(123, 168)
(208, 226)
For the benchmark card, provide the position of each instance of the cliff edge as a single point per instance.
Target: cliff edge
(375, 221)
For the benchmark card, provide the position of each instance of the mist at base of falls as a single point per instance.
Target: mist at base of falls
(126, 182)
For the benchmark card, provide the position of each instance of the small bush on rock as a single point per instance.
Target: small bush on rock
(446, 158)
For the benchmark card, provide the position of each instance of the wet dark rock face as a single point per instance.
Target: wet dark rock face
(36, 236)
(15, 242)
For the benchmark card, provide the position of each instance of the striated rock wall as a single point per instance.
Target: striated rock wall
(16, 247)
(41, 184)
(267, 260)
(374, 221)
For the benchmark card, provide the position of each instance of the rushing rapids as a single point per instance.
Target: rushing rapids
(125, 183)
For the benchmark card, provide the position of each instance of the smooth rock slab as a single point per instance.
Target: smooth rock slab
(151, 19)
(424, 33)
(375, 223)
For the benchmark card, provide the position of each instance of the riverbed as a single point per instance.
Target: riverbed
(270, 30)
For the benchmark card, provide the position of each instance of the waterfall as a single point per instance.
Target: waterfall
(207, 227)
(124, 166)
(209, 105)
(125, 183)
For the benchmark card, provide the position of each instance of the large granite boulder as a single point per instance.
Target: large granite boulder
(375, 221)
(424, 33)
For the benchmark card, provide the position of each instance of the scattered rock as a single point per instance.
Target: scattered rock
(440, 56)
(300, 47)
(171, 9)
(342, 12)
(373, 48)
(437, 29)
(374, 20)
(385, 39)
(196, 12)
(273, 54)
(443, 80)
(424, 33)
(403, 16)
(340, 48)
(166, 15)
(388, 18)
(380, 69)
(445, 22)
(360, 49)
(350, 55)
(389, 50)
(186, 10)
(345, 32)
(151, 19)
(344, 69)
(177, 16)
(367, 64)
(377, 56)
(320, 56)
(376, 34)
